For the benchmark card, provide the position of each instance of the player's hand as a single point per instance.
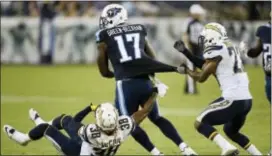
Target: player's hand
(182, 69)
(162, 89)
(180, 46)
(243, 48)
(93, 107)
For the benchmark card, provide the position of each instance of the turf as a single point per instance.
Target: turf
(66, 89)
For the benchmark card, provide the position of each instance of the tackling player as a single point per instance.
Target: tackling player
(222, 60)
(133, 61)
(100, 139)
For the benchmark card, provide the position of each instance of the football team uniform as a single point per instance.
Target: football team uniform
(98, 143)
(132, 66)
(235, 102)
(102, 144)
(264, 33)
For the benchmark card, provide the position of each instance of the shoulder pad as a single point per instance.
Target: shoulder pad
(90, 133)
(126, 124)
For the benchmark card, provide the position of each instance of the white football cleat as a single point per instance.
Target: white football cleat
(188, 151)
(232, 151)
(33, 114)
(15, 135)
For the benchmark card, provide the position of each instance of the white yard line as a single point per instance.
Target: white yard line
(16, 99)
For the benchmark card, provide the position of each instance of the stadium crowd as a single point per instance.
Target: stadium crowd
(235, 10)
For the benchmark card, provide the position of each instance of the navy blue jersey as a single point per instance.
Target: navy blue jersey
(264, 33)
(126, 51)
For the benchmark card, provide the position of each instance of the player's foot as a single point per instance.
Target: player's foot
(35, 117)
(230, 152)
(15, 135)
(188, 151)
(33, 114)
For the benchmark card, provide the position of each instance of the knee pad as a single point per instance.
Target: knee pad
(229, 132)
(154, 118)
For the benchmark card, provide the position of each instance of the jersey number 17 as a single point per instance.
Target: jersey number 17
(135, 38)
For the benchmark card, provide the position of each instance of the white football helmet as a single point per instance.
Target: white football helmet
(212, 34)
(112, 15)
(106, 117)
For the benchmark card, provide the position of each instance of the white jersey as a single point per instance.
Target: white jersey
(102, 144)
(232, 79)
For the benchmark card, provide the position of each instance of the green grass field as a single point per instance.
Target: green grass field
(66, 89)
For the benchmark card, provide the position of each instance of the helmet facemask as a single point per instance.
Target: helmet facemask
(106, 118)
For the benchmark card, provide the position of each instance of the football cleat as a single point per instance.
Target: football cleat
(188, 151)
(230, 152)
(33, 114)
(15, 135)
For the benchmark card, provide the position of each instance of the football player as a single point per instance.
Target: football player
(263, 46)
(222, 60)
(102, 138)
(133, 61)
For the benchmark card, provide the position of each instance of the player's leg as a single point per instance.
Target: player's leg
(168, 129)
(233, 127)
(218, 112)
(127, 103)
(268, 88)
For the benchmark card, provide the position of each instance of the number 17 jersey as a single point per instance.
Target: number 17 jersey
(232, 79)
(125, 48)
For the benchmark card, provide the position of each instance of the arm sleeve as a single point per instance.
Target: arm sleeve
(197, 61)
(127, 125)
(258, 32)
(99, 36)
(82, 114)
(86, 149)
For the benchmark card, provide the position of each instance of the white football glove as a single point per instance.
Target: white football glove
(243, 48)
(162, 88)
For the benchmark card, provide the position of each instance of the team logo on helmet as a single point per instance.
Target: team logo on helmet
(114, 11)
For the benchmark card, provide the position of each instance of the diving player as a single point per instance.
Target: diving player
(133, 61)
(222, 60)
(100, 139)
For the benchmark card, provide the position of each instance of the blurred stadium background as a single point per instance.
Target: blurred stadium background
(62, 36)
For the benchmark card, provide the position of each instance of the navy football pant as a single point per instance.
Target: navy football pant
(231, 114)
(133, 93)
(268, 88)
(69, 146)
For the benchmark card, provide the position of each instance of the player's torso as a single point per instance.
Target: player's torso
(103, 144)
(125, 46)
(265, 37)
(230, 74)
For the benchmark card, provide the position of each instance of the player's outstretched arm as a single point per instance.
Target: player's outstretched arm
(180, 46)
(83, 113)
(255, 51)
(208, 69)
(140, 115)
(102, 61)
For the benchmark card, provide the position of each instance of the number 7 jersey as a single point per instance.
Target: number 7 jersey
(233, 81)
(106, 145)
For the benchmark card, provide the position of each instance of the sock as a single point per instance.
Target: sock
(221, 142)
(37, 132)
(182, 146)
(141, 137)
(38, 120)
(168, 130)
(57, 122)
(155, 151)
(253, 150)
(80, 115)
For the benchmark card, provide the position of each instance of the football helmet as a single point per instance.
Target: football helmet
(106, 117)
(112, 15)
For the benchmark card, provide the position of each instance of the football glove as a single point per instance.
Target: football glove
(180, 46)
(93, 107)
